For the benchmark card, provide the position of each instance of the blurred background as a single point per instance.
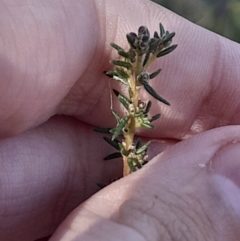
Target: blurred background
(220, 16)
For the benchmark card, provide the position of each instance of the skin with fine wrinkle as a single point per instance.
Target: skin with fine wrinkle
(53, 91)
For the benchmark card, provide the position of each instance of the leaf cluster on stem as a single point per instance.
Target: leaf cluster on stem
(130, 69)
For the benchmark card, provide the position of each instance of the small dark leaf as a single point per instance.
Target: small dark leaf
(123, 81)
(145, 39)
(113, 156)
(101, 186)
(147, 55)
(122, 64)
(143, 31)
(123, 54)
(116, 92)
(121, 73)
(143, 148)
(124, 100)
(109, 73)
(147, 125)
(102, 130)
(168, 38)
(153, 44)
(162, 30)
(167, 50)
(114, 75)
(155, 117)
(117, 47)
(156, 35)
(118, 130)
(144, 122)
(114, 143)
(138, 143)
(154, 94)
(149, 104)
(154, 74)
(132, 39)
(144, 162)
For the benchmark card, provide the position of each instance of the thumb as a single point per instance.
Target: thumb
(188, 192)
(226, 165)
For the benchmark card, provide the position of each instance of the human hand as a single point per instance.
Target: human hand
(52, 59)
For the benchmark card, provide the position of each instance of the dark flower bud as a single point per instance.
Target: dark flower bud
(153, 44)
(156, 35)
(145, 38)
(132, 39)
(143, 78)
(143, 31)
(143, 45)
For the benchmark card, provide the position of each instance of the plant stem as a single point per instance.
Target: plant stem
(131, 70)
(129, 136)
(126, 169)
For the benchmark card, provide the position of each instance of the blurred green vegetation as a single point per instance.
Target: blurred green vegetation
(220, 16)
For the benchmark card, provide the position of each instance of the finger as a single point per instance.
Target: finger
(62, 51)
(45, 46)
(200, 78)
(48, 171)
(180, 195)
